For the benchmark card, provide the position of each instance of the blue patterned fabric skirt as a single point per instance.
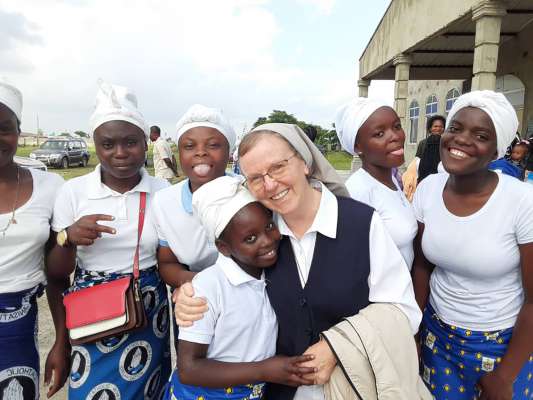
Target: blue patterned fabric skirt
(454, 359)
(178, 391)
(19, 355)
(135, 365)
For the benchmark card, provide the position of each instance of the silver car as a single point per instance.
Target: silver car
(29, 163)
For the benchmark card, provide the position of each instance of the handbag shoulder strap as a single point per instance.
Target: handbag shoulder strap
(142, 209)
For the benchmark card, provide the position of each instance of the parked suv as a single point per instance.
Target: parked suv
(62, 153)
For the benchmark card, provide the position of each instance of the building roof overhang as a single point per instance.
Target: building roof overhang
(445, 52)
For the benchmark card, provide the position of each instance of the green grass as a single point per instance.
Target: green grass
(75, 171)
(339, 160)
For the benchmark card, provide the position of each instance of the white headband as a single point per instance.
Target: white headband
(498, 108)
(11, 97)
(116, 103)
(351, 116)
(198, 115)
(217, 201)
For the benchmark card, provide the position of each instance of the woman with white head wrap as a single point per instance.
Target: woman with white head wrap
(204, 138)
(335, 256)
(372, 130)
(97, 219)
(26, 206)
(474, 257)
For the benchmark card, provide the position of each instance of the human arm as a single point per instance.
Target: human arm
(389, 280)
(409, 178)
(165, 151)
(498, 384)
(422, 270)
(58, 262)
(169, 162)
(171, 270)
(195, 369)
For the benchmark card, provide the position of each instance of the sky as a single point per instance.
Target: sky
(246, 57)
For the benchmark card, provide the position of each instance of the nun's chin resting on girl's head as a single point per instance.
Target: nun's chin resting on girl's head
(226, 354)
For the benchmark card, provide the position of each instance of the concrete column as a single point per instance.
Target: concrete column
(363, 85)
(488, 18)
(527, 119)
(402, 63)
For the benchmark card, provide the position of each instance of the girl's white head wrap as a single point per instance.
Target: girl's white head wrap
(498, 108)
(216, 202)
(11, 97)
(351, 116)
(198, 115)
(116, 103)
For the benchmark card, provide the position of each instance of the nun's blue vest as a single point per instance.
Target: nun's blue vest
(337, 286)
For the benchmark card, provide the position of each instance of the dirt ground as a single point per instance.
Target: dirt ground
(46, 340)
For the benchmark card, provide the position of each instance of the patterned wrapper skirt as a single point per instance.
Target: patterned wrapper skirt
(178, 391)
(135, 365)
(454, 359)
(19, 355)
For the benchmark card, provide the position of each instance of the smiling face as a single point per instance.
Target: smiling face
(288, 192)
(204, 155)
(251, 238)
(121, 148)
(381, 138)
(437, 127)
(469, 144)
(9, 135)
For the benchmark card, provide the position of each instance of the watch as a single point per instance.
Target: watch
(62, 238)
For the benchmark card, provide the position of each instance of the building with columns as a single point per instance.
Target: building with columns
(436, 50)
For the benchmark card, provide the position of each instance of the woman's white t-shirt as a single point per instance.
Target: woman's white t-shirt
(87, 195)
(477, 282)
(22, 247)
(391, 205)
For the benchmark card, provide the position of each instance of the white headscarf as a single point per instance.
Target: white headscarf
(319, 167)
(498, 108)
(116, 103)
(351, 116)
(198, 115)
(217, 201)
(11, 97)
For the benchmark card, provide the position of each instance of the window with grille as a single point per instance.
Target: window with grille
(451, 96)
(431, 105)
(414, 112)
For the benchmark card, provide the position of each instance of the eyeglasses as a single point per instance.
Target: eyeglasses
(276, 171)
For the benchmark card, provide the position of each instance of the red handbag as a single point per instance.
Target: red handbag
(109, 308)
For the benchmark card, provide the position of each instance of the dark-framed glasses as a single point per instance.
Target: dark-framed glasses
(275, 171)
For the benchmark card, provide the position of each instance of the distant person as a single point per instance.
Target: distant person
(427, 156)
(429, 148)
(513, 164)
(311, 132)
(165, 165)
